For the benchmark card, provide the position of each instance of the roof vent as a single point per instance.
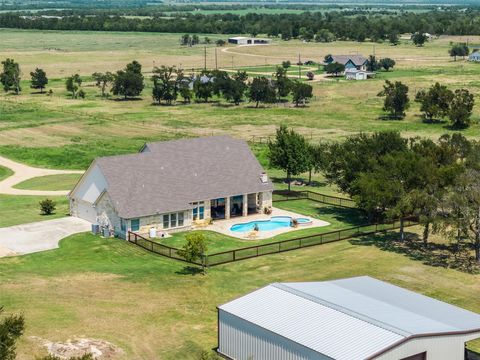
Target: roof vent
(263, 178)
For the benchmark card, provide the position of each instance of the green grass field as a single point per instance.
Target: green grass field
(50, 182)
(15, 209)
(5, 172)
(153, 307)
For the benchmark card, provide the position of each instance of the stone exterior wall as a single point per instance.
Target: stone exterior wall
(106, 210)
(265, 199)
(156, 221)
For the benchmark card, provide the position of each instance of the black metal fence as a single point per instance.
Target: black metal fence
(285, 195)
(270, 248)
(471, 355)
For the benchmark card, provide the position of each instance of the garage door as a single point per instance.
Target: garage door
(86, 211)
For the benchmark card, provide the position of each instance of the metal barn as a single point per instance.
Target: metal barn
(349, 319)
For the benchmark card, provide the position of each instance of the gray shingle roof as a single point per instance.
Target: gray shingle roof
(172, 174)
(343, 59)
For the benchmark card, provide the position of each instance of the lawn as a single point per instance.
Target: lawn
(5, 172)
(16, 209)
(339, 218)
(153, 307)
(50, 182)
(58, 132)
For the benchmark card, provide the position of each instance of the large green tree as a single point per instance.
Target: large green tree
(301, 92)
(203, 86)
(38, 79)
(334, 68)
(165, 84)
(289, 152)
(129, 82)
(396, 98)
(282, 83)
(72, 84)
(102, 80)
(461, 107)
(10, 76)
(261, 90)
(434, 102)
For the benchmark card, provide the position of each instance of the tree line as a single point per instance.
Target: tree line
(392, 177)
(436, 103)
(169, 84)
(326, 26)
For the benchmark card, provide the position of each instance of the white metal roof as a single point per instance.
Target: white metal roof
(361, 316)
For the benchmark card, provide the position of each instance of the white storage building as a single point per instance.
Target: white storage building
(349, 319)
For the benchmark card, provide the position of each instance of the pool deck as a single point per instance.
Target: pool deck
(223, 226)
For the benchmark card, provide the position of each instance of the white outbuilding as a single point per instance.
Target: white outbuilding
(350, 319)
(243, 40)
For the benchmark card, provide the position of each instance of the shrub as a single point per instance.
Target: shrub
(47, 206)
(310, 75)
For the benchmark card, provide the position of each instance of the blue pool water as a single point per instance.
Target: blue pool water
(276, 222)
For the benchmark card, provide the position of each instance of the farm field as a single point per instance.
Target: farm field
(153, 307)
(58, 132)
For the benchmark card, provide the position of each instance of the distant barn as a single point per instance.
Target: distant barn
(242, 40)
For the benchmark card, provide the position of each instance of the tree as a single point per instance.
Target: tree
(461, 108)
(324, 35)
(286, 64)
(459, 50)
(39, 79)
(372, 63)
(47, 206)
(387, 63)
(194, 248)
(301, 92)
(282, 83)
(289, 152)
(435, 103)
(310, 75)
(334, 68)
(72, 84)
(220, 42)
(232, 88)
(396, 98)
(165, 84)
(186, 40)
(11, 329)
(203, 86)
(261, 90)
(207, 40)
(10, 76)
(184, 86)
(102, 80)
(393, 38)
(128, 82)
(419, 38)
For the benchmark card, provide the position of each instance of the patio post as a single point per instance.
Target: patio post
(245, 205)
(227, 207)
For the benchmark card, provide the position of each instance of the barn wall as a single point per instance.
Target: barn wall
(241, 340)
(437, 348)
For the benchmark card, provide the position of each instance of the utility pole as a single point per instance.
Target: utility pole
(205, 58)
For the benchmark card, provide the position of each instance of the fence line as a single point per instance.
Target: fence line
(229, 256)
(279, 196)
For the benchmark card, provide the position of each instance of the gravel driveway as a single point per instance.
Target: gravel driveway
(39, 236)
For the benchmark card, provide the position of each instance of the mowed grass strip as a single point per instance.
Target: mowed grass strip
(50, 182)
(20, 209)
(153, 307)
(5, 172)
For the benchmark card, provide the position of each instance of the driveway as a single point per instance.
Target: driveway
(24, 172)
(39, 236)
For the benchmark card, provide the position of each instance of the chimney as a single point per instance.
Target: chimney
(263, 178)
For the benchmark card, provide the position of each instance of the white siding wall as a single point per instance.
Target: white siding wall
(241, 340)
(91, 186)
(437, 348)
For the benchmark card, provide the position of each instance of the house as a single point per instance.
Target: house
(354, 74)
(357, 62)
(168, 185)
(475, 56)
(241, 40)
(351, 319)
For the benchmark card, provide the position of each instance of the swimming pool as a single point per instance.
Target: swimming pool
(276, 222)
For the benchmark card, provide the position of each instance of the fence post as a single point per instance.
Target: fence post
(257, 250)
(169, 252)
(234, 255)
(279, 246)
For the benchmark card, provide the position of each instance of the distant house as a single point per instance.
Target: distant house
(355, 74)
(241, 40)
(349, 61)
(170, 184)
(351, 319)
(475, 56)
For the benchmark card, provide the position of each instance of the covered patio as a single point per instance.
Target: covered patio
(236, 206)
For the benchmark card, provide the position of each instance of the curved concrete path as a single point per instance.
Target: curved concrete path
(24, 172)
(39, 236)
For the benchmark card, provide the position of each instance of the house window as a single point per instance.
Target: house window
(123, 226)
(180, 219)
(198, 211)
(166, 221)
(135, 224)
(202, 212)
(173, 220)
